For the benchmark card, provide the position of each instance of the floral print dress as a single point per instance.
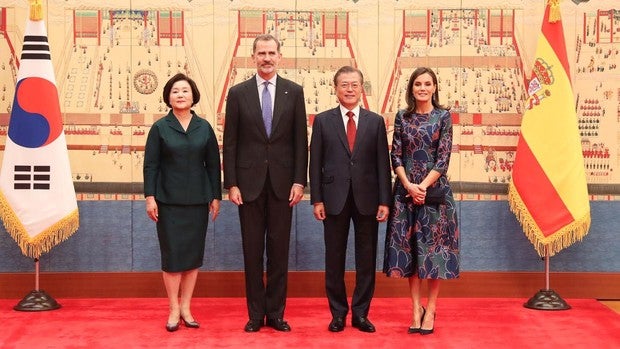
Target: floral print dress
(422, 239)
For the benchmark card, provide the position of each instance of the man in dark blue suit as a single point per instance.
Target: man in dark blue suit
(350, 180)
(265, 172)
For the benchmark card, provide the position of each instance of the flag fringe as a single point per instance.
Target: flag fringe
(566, 236)
(43, 242)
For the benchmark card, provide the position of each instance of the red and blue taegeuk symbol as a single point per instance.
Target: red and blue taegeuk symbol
(35, 117)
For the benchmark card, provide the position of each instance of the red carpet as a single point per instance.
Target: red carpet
(460, 323)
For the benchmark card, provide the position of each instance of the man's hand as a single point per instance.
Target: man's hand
(382, 213)
(234, 195)
(297, 193)
(319, 211)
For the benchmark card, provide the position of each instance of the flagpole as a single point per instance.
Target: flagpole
(546, 258)
(37, 300)
(36, 274)
(42, 150)
(539, 183)
(547, 299)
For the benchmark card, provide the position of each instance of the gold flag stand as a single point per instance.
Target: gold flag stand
(37, 300)
(547, 299)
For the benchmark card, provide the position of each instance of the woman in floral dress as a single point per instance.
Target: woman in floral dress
(422, 238)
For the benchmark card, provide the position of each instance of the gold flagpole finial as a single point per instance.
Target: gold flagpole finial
(36, 11)
(554, 10)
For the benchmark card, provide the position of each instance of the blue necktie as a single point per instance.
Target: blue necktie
(267, 108)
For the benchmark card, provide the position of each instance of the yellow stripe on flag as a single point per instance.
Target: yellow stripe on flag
(548, 189)
(550, 130)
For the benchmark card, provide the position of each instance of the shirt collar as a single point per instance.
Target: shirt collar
(356, 111)
(260, 81)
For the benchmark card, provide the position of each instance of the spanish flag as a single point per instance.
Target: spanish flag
(37, 199)
(548, 192)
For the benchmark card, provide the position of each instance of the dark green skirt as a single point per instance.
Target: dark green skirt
(181, 230)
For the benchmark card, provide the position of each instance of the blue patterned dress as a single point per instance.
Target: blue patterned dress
(422, 239)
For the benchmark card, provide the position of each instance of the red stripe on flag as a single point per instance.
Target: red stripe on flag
(538, 193)
(554, 33)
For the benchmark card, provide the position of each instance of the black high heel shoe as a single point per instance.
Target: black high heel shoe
(172, 327)
(424, 331)
(190, 324)
(412, 329)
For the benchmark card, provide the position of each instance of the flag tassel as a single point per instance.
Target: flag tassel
(43, 242)
(566, 236)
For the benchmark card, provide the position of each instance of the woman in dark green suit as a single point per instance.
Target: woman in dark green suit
(182, 184)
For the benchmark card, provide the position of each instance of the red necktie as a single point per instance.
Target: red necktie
(351, 130)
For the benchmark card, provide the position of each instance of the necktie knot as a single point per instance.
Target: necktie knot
(350, 114)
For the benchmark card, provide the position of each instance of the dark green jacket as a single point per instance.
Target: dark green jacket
(182, 168)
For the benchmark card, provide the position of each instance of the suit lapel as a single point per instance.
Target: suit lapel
(193, 123)
(253, 103)
(281, 100)
(174, 123)
(362, 127)
(337, 124)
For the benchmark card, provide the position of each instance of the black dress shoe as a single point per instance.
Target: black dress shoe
(190, 324)
(363, 324)
(253, 325)
(336, 325)
(412, 329)
(278, 325)
(424, 331)
(172, 327)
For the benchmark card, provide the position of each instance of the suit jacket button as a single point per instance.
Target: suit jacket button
(266, 161)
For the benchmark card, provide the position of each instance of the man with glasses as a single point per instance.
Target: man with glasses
(350, 180)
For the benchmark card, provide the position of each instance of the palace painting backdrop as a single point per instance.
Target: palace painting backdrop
(111, 61)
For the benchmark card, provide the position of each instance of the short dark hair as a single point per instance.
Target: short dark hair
(348, 69)
(265, 37)
(410, 98)
(181, 77)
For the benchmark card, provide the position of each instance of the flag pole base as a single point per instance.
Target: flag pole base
(547, 300)
(37, 300)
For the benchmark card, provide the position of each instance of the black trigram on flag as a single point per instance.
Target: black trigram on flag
(31, 177)
(38, 206)
(36, 47)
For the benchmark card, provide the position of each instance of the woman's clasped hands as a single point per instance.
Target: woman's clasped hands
(417, 192)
